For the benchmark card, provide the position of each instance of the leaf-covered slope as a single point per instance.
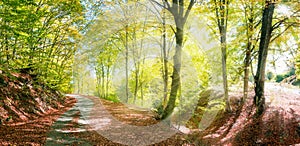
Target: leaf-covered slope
(22, 99)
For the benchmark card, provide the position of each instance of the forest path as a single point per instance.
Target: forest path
(282, 95)
(94, 121)
(69, 123)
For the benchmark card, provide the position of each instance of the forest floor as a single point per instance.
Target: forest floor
(88, 120)
(75, 125)
(278, 125)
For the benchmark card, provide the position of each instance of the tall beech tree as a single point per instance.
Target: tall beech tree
(250, 8)
(265, 37)
(177, 9)
(221, 9)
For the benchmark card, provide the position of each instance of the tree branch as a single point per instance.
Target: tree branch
(278, 35)
(277, 24)
(192, 2)
(168, 5)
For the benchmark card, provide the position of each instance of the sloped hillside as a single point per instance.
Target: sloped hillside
(22, 98)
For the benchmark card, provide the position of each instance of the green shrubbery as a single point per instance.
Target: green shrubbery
(113, 98)
(292, 72)
(281, 77)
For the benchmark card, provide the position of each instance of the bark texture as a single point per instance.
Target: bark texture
(266, 31)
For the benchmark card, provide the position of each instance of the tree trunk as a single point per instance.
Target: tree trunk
(103, 81)
(247, 60)
(78, 86)
(246, 73)
(107, 81)
(126, 64)
(7, 50)
(142, 83)
(221, 9)
(136, 62)
(250, 46)
(136, 85)
(165, 60)
(177, 10)
(266, 30)
(224, 68)
(176, 74)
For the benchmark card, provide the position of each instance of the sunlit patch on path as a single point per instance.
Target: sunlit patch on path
(94, 121)
(71, 122)
(282, 95)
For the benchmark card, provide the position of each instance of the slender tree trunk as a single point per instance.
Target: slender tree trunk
(266, 30)
(126, 64)
(103, 81)
(250, 46)
(107, 80)
(98, 82)
(246, 74)
(142, 83)
(14, 49)
(247, 63)
(78, 86)
(165, 60)
(136, 84)
(221, 9)
(142, 94)
(224, 67)
(7, 50)
(136, 57)
(247, 60)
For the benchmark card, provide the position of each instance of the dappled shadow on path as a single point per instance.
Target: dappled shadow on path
(64, 128)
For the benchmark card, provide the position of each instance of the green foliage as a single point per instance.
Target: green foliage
(40, 35)
(298, 66)
(270, 75)
(281, 77)
(210, 102)
(113, 98)
(157, 107)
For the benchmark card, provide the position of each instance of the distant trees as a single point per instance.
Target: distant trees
(145, 43)
(134, 35)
